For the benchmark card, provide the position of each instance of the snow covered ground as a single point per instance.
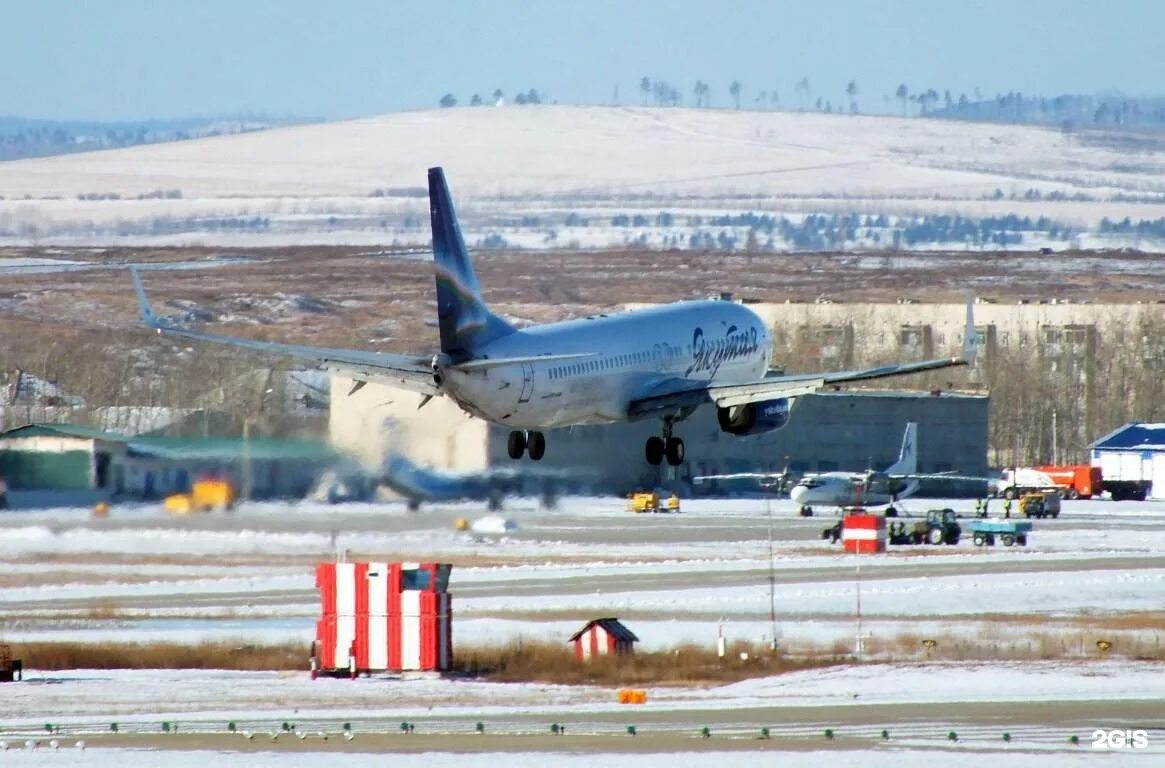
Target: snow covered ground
(139, 575)
(1098, 571)
(858, 703)
(890, 757)
(551, 176)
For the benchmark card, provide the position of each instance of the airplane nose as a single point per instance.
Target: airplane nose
(798, 493)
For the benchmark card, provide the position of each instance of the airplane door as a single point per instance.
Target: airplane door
(527, 383)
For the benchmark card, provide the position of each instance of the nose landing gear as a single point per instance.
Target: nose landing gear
(521, 441)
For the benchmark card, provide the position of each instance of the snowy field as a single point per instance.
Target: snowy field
(247, 577)
(520, 174)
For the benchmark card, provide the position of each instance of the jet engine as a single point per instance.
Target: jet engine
(755, 418)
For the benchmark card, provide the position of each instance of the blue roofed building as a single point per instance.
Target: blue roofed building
(1132, 461)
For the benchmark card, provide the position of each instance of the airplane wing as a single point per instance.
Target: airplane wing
(791, 385)
(944, 476)
(772, 387)
(405, 371)
(772, 481)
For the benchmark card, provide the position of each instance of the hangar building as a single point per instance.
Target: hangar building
(827, 431)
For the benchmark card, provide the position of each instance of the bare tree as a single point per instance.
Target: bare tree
(734, 91)
(803, 91)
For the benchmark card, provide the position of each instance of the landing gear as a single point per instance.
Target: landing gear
(806, 511)
(659, 448)
(654, 450)
(536, 445)
(520, 442)
(516, 444)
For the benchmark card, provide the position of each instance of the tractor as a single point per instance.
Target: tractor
(941, 527)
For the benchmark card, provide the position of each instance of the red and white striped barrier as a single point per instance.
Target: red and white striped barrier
(863, 534)
(383, 616)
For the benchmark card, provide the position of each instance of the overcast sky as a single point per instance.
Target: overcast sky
(138, 59)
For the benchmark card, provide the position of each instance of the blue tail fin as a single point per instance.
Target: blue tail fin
(466, 323)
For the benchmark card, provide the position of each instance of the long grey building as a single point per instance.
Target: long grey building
(827, 431)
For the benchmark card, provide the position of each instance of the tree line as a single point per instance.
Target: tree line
(1066, 111)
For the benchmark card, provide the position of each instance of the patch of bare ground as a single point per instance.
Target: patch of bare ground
(207, 655)
(353, 289)
(690, 664)
(1000, 644)
(524, 660)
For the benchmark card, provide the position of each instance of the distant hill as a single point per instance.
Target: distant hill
(565, 176)
(1069, 111)
(23, 137)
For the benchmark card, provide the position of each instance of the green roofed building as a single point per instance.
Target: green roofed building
(54, 464)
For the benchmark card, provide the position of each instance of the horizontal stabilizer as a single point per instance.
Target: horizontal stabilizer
(405, 371)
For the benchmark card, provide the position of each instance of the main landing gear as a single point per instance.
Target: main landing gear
(521, 442)
(671, 448)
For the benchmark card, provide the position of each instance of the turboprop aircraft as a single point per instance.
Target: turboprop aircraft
(661, 363)
(852, 490)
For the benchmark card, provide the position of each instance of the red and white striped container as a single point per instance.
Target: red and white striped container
(371, 620)
(863, 534)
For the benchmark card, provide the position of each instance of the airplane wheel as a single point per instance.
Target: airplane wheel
(891, 512)
(516, 444)
(674, 447)
(806, 512)
(654, 450)
(536, 445)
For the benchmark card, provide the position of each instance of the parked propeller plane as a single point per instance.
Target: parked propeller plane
(852, 490)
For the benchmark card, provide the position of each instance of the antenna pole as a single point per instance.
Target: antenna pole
(772, 579)
(858, 644)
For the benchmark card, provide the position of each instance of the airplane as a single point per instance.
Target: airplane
(852, 490)
(661, 363)
(420, 485)
(863, 489)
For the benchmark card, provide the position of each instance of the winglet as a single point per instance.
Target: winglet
(970, 335)
(148, 316)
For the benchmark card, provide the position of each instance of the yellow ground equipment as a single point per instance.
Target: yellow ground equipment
(647, 501)
(1043, 504)
(207, 494)
(643, 502)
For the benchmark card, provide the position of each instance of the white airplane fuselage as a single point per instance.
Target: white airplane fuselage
(844, 489)
(623, 355)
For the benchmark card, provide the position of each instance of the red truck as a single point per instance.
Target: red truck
(1078, 481)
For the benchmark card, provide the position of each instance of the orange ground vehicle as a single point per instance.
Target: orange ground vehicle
(1078, 481)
